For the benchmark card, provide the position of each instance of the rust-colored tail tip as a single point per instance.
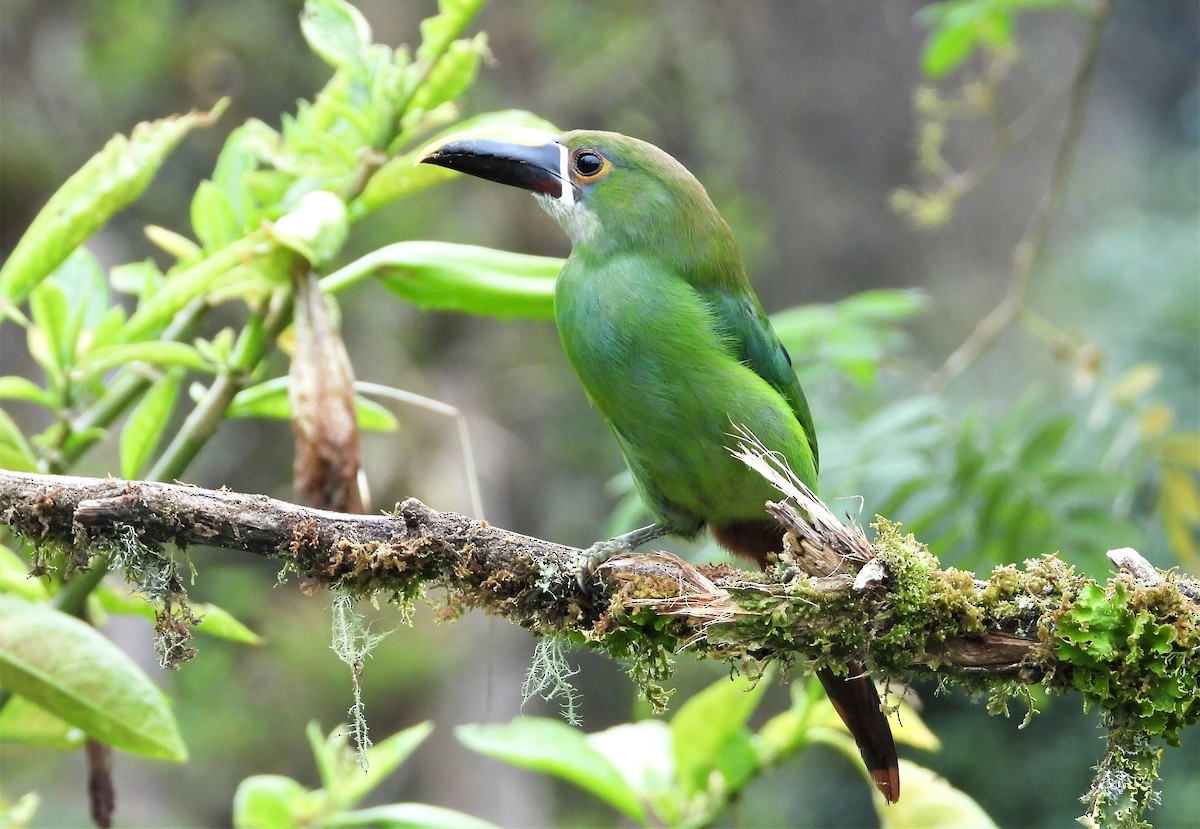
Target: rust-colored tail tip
(888, 782)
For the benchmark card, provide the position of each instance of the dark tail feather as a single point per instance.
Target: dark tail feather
(857, 702)
(853, 696)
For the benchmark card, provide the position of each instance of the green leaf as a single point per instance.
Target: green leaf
(66, 667)
(23, 722)
(164, 353)
(382, 759)
(146, 423)
(237, 162)
(213, 219)
(20, 388)
(336, 31)
(788, 731)
(83, 282)
(929, 802)
(49, 313)
(219, 623)
(329, 752)
(111, 179)
(15, 577)
(641, 752)
(1040, 450)
(849, 337)
(15, 452)
(447, 277)
(79, 440)
(177, 245)
(453, 74)
(139, 279)
(316, 228)
(272, 801)
(372, 417)
(269, 399)
(106, 330)
(554, 748)
(883, 305)
(709, 733)
(185, 284)
(439, 31)
(214, 621)
(961, 26)
(407, 816)
(20, 813)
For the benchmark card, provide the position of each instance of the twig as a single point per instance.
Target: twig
(1029, 249)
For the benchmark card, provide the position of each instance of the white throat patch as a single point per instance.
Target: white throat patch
(567, 198)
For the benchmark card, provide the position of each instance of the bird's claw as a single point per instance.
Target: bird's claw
(596, 555)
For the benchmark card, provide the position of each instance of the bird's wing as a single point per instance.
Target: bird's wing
(755, 343)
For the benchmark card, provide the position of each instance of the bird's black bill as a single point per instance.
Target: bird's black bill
(533, 167)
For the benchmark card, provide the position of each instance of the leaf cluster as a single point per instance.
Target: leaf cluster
(126, 349)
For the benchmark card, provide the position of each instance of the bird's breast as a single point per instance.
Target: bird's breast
(653, 359)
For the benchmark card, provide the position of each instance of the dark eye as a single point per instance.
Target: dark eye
(588, 163)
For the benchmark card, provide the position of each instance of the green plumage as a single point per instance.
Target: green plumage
(658, 320)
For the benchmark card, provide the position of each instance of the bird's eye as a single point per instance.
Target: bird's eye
(589, 164)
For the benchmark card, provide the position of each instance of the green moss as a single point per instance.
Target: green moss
(644, 641)
(1133, 652)
(907, 632)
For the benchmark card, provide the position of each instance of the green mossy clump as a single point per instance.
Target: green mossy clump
(1132, 651)
(644, 641)
(905, 633)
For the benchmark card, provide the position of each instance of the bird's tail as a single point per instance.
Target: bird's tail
(853, 696)
(857, 702)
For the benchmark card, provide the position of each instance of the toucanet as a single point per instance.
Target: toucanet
(673, 347)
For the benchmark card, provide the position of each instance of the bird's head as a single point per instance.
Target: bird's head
(603, 187)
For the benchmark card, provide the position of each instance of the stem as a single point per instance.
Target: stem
(1029, 249)
(124, 390)
(202, 423)
(73, 597)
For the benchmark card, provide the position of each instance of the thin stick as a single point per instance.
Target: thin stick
(1029, 249)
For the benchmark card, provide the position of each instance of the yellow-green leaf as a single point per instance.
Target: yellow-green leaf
(214, 621)
(111, 179)
(15, 578)
(15, 453)
(336, 31)
(464, 278)
(402, 177)
(554, 748)
(23, 722)
(147, 422)
(929, 802)
(164, 353)
(69, 669)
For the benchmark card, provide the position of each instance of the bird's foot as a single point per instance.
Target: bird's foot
(602, 551)
(595, 555)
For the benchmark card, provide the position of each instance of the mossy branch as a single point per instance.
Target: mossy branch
(832, 596)
(1130, 645)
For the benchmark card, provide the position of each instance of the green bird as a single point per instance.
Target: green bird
(659, 321)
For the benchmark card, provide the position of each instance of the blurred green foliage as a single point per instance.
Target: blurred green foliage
(1076, 435)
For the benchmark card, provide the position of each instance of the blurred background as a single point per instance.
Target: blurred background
(799, 119)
